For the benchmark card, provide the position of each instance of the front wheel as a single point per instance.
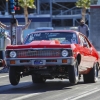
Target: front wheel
(14, 76)
(73, 73)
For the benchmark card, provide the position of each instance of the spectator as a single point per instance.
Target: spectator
(19, 33)
(19, 29)
(83, 28)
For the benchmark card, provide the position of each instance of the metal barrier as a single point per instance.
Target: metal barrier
(2, 38)
(4, 41)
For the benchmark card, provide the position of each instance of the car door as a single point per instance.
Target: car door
(85, 53)
(92, 53)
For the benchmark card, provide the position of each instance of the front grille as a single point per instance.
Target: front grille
(39, 53)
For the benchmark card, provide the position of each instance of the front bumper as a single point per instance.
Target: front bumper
(40, 61)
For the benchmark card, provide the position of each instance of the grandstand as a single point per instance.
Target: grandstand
(56, 13)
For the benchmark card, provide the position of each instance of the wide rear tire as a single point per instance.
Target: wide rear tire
(73, 73)
(92, 76)
(14, 76)
(38, 79)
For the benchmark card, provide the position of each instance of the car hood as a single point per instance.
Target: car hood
(40, 44)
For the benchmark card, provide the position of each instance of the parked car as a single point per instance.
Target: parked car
(73, 28)
(43, 28)
(53, 54)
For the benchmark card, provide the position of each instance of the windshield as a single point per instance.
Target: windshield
(63, 37)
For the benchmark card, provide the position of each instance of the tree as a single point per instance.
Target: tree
(25, 4)
(84, 4)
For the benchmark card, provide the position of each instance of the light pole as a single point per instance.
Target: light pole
(13, 21)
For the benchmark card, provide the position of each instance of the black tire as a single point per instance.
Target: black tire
(1, 62)
(73, 73)
(92, 76)
(14, 76)
(38, 79)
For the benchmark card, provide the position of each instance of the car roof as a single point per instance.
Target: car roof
(72, 31)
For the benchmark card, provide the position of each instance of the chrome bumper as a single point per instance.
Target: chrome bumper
(42, 61)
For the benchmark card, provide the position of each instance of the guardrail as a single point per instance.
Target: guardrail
(71, 11)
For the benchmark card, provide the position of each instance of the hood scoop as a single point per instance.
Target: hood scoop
(45, 42)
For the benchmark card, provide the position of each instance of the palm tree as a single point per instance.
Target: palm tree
(84, 4)
(25, 4)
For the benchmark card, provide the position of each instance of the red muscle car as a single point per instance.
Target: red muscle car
(53, 54)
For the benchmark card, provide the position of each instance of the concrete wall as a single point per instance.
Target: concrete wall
(95, 26)
(34, 25)
(40, 24)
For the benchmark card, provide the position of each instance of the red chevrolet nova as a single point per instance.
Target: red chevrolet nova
(53, 54)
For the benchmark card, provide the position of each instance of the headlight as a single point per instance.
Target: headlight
(64, 53)
(12, 54)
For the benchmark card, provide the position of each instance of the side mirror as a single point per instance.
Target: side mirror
(84, 44)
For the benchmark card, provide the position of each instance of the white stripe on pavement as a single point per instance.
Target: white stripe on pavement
(26, 96)
(83, 94)
(4, 76)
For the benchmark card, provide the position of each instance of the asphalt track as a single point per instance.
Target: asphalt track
(56, 89)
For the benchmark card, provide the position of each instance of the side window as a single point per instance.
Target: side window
(88, 45)
(83, 40)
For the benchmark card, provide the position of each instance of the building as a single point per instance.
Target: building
(95, 24)
(98, 2)
(56, 13)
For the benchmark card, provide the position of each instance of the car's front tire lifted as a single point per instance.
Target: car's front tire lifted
(14, 75)
(38, 79)
(73, 73)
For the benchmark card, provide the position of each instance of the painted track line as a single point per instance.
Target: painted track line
(83, 94)
(26, 96)
(4, 76)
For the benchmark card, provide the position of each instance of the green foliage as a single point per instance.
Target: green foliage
(26, 3)
(83, 3)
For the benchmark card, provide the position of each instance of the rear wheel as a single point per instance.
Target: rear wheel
(14, 76)
(73, 73)
(92, 76)
(38, 79)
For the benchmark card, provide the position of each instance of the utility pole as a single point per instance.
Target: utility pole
(13, 29)
(13, 7)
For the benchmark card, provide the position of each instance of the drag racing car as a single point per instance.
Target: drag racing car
(50, 54)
